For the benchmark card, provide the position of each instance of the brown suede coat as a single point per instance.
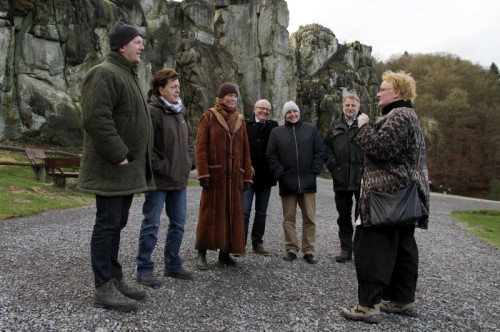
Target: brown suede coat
(223, 155)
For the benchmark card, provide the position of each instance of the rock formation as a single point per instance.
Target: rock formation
(48, 47)
(327, 71)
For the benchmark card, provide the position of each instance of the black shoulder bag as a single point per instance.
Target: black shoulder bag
(401, 208)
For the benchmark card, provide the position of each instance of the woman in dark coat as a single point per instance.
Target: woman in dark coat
(387, 259)
(224, 170)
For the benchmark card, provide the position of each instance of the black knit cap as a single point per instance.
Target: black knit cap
(226, 89)
(121, 34)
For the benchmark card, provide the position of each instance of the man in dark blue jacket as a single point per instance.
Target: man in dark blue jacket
(258, 130)
(345, 161)
(295, 153)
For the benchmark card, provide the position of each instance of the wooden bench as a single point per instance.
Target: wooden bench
(37, 161)
(56, 166)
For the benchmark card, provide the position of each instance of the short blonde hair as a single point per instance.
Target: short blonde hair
(402, 82)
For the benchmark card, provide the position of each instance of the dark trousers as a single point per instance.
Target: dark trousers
(386, 264)
(343, 201)
(259, 223)
(111, 218)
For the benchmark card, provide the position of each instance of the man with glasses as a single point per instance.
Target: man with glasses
(258, 130)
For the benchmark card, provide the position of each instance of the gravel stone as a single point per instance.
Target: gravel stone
(46, 279)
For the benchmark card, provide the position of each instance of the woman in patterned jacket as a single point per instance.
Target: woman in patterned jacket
(387, 259)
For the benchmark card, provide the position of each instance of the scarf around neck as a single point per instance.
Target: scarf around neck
(177, 107)
(396, 104)
(229, 114)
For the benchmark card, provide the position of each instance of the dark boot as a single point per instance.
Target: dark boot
(130, 290)
(201, 260)
(344, 256)
(110, 297)
(225, 259)
(345, 246)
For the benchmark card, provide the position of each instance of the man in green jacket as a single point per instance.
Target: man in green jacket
(117, 147)
(345, 161)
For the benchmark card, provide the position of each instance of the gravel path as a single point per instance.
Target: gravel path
(47, 284)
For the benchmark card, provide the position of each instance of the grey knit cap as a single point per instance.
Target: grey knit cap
(290, 105)
(121, 34)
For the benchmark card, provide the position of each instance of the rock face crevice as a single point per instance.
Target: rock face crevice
(48, 47)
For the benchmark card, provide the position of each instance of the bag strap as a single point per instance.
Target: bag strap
(418, 162)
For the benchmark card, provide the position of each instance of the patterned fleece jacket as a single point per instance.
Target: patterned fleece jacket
(391, 152)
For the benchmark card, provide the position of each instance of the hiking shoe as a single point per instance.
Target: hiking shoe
(109, 297)
(290, 256)
(407, 309)
(344, 256)
(129, 290)
(180, 274)
(201, 260)
(310, 259)
(149, 280)
(225, 259)
(259, 250)
(362, 313)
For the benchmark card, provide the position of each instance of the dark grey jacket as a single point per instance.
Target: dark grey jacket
(173, 152)
(295, 154)
(343, 158)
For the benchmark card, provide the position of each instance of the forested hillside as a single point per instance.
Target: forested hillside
(458, 104)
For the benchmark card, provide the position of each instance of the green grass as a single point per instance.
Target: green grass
(22, 196)
(485, 224)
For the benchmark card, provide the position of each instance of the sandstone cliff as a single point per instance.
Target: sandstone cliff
(48, 46)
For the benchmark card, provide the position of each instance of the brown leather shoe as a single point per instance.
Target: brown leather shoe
(259, 250)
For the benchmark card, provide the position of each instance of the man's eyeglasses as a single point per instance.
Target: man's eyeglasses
(263, 108)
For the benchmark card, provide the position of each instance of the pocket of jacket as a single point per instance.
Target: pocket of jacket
(217, 176)
(340, 174)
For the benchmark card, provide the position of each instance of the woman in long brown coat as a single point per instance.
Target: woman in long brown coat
(224, 170)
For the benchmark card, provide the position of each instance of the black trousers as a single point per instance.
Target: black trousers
(343, 202)
(386, 264)
(111, 218)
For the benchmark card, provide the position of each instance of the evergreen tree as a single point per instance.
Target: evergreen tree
(494, 70)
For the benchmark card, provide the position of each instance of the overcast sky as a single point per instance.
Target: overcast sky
(468, 29)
